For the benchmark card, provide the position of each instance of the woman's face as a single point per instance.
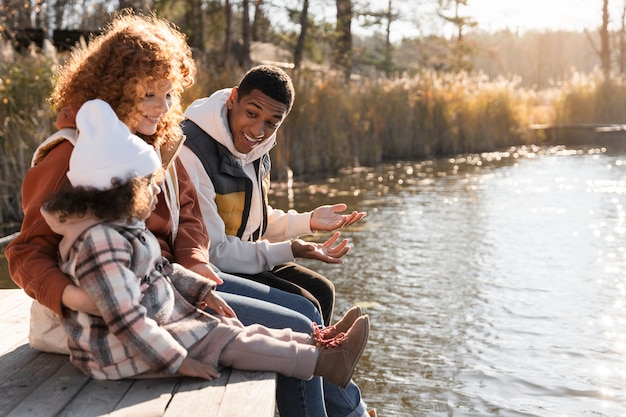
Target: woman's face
(154, 105)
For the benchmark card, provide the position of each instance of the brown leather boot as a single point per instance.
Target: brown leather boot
(338, 356)
(341, 326)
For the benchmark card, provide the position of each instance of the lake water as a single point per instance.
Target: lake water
(495, 283)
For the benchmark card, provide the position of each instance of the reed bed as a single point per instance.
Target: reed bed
(334, 124)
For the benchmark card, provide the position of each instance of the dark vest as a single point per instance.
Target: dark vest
(233, 188)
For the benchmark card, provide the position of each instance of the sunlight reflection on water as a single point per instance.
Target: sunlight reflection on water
(495, 283)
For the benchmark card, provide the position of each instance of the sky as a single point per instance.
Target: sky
(541, 14)
(517, 15)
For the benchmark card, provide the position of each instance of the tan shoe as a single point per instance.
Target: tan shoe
(338, 356)
(341, 326)
(372, 413)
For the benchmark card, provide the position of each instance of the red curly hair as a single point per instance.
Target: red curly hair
(122, 64)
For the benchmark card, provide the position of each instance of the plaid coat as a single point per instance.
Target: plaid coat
(149, 315)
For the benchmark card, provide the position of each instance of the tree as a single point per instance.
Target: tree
(622, 42)
(228, 13)
(245, 33)
(382, 55)
(604, 51)
(193, 19)
(461, 50)
(304, 24)
(342, 51)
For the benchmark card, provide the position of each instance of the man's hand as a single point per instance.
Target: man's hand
(206, 271)
(77, 299)
(324, 252)
(327, 217)
(217, 304)
(192, 367)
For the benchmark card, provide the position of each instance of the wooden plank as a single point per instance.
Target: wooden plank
(14, 329)
(97, 398)
(22, 370)
(11, 300)
(249, 393)
(147, 398)
(5, 295)
(20, 338)
(236, 393)
(52, 395)
(198, 397)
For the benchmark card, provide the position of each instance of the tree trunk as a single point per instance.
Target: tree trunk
(605, 48)
(622, 42)
(227, 36)
(245, 33)
(388, 47)
(304, 23)
(59, 12)
(258, 4)
(342, 56)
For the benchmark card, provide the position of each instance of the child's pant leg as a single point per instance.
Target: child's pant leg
(262, 352)
(285, 335)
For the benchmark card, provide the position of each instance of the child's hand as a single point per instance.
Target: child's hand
(217, 304)
(192, 367)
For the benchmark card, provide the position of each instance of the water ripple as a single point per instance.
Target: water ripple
(495, 289)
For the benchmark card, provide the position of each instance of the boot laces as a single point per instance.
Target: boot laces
(323, 333)
(322, 336)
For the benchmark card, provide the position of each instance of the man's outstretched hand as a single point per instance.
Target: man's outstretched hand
(324, 252)
(328, 218)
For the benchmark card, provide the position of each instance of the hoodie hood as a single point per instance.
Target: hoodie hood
(211, 115)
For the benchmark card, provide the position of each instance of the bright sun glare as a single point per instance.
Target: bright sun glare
(541, 14)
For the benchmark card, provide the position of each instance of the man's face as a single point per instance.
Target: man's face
(253, 119)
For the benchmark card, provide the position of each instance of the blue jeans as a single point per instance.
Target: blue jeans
(257, 303)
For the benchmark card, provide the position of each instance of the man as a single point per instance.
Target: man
(226, 153)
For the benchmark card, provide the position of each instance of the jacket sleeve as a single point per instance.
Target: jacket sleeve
(229, 253)
(192, 240)
(33, 255)
(289, 224)
(193, 287)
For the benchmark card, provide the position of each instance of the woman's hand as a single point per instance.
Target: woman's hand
(217, 304)
(327, 217)
(77, 299)
(192, 367)
(324, 252)
(206, 271)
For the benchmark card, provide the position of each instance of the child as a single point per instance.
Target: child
(152, 320)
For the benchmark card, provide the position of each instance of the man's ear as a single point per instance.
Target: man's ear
(232, 99)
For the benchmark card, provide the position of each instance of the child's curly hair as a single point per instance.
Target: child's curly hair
(125, 200)
(120, 65)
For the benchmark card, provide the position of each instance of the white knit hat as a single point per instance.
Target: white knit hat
(105, 149)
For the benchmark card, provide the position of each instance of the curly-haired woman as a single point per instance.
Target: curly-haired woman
(140, 65)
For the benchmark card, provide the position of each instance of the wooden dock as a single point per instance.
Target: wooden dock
(37, 384)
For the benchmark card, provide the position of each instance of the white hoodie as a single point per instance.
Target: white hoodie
(229, 253)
